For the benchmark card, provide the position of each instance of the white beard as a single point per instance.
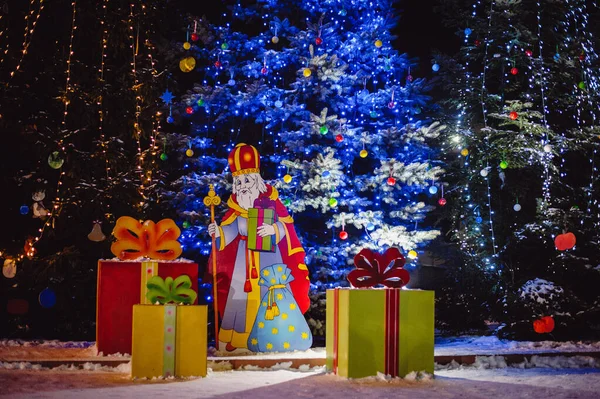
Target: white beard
(247, 200)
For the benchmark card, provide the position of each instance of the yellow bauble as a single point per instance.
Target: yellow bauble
(187, 45)
(307, 72)
(378, 43)
(189, 152)
(187, 64)
(412, 254)
(364, 153)
(464, 152)
(287, 178)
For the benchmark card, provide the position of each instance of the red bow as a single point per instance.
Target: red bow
(373, 268)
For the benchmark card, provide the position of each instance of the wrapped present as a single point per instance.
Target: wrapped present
(280, 325)
(263, 212)
(387, 330)
(122, 285)
(169, 339)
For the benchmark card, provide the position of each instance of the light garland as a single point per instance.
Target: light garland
(101, 96)
(28, 35)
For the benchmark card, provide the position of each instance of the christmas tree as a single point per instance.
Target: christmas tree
(340, 118)
(525, 128)
(79, 101)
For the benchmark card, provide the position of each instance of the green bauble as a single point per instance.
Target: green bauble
(163, 157)
(55, 161)
(503, 165)
(581, 85)
(186, 224)
(333, 202)
(200, 102)
(323, 130)
(287, 202)
(224, 46)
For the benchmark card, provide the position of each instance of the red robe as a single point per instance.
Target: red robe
(288, 244)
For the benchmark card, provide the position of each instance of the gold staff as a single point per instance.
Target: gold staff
(212, 200)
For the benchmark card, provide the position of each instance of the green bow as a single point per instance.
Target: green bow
(165, 291)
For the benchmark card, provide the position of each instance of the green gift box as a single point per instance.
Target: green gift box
(387, 330)
(256, 218)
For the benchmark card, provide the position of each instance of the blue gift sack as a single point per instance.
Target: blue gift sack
(280, 326)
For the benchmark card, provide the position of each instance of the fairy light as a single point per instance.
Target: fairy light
(4, 36)
(28, 35)
(101, 96)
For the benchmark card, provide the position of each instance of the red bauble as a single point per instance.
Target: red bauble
(514, 71)
(189, 110)
(477, 43)
(195, 37)
(544, 325)
(409, 78)
(513, 115)
(264, 70)
(581, 57)
(339, 138)
(565, 241)
(442, 201)
(391, 105)
(528, 53)
(218, 64)
(391, 181)
(343, 235)
(318, 40)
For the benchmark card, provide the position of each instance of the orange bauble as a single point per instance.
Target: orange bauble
(565, 241)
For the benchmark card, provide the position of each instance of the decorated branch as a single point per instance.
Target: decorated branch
(148, 239)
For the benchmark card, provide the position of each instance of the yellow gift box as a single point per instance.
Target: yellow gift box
(169, 340)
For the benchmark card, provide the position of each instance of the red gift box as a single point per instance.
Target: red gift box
(119, 288)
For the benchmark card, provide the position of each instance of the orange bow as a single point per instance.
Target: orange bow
(155, 241)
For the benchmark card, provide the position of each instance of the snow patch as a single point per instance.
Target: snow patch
(499, 362)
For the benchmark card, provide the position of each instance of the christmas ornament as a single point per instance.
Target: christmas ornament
(409, 78)
(55, 161)
(187, 64)
(370, 226)
(435, 67)
(278, 104)
(24, 209)
(195, 37)
(464, 152)
(306, 72)
(189, 152)
(218, 64)
(9, 269)
(339, 138)
(186, 224)
(343, 235)
(231, 82)
(167, 97)
(47, 298)
(513, 115)
(200, 102)
(274, 40)
(39, 210)
(264, 70)
(378, 43)
(503, 165)
(287, 202)
(484, 172)
(186, 45)
(323, 130)
(412, 254)
(528, 53)
(478, 219)
(363, 153)
(170, 119)
(343, 12)
(224, 46)
(544, 325)
(468, 31)
(517, 207)
(189, 110)
(581, 85)
(391, 105)
(96, 234)
(556, 57)
(547, 148)
(333, 202)
(565, 241)
(514, 71)
(373, 114)
(433, 190)
(163, 157)
(442, 201)
(477, 43)
(287, 179)
(391, 181)
(318, 41)
(325, 174)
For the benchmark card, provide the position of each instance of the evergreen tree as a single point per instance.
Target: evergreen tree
(526, 121)
(339, 117)
(78, 98)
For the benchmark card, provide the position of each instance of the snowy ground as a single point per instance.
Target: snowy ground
(556, 377)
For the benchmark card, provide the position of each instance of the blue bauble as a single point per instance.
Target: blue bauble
(435, 67)
(47, 298)
(370, 226)
(24, 210)
(170, 119)
(326, 174)
(433, 190)
(231, 82)
(373, 114)
(343, 12)
(478, 219)
(278, 104)
(468, 31)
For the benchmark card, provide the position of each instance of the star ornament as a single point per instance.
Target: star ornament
(167, 97)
